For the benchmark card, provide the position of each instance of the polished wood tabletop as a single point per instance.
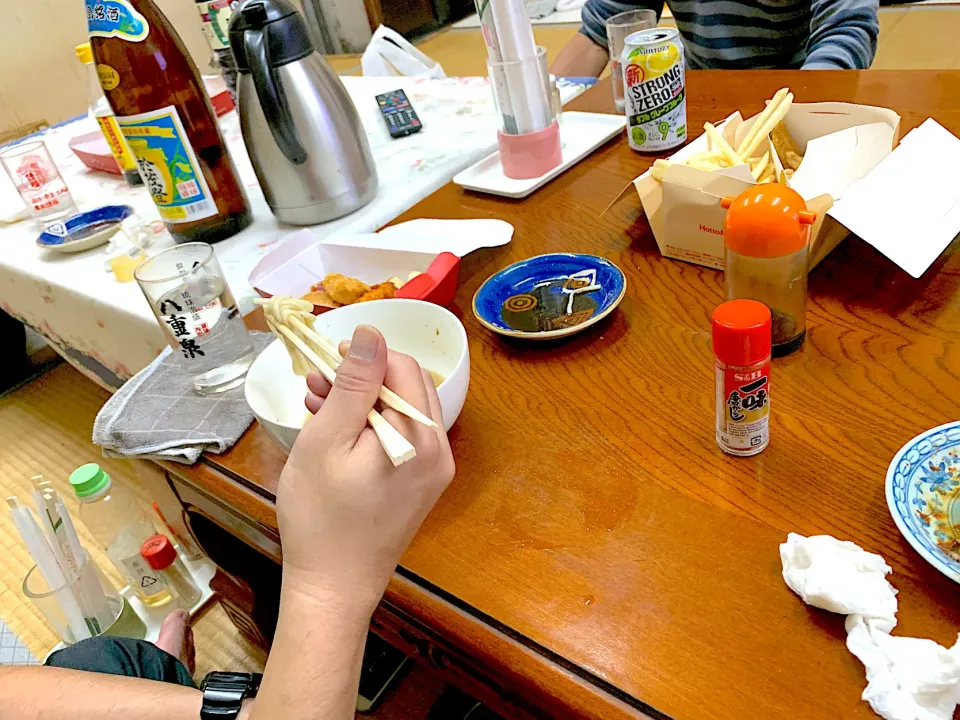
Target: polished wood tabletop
(593, 518)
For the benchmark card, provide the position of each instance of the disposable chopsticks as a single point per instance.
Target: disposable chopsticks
(283, 316)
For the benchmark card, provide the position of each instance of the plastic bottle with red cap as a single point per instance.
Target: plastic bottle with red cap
(766, 234)
(162, 556)
(741, 345)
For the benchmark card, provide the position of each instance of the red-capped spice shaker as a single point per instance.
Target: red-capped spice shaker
(741, 345)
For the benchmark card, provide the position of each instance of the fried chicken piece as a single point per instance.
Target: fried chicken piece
(787, 149)
(343, 289)
(379, 292)
(319, 296)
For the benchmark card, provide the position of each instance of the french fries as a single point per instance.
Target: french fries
(720, 154)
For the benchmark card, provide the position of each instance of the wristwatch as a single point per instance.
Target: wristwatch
(224, 693)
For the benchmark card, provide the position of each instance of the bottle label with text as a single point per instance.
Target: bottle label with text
(168, 165)
(116, 18)
(216, 15)
(147, 579)
(118, 146)
(743, 408)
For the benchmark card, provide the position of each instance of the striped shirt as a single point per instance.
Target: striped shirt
(728, 34)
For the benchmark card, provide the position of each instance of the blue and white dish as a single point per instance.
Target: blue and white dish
(84, 230)
(923, 493)
(549, 296)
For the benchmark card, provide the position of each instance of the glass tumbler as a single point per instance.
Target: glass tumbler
(523, 93)
(39, 182)
(188, 293)
(83, 606)
(618, 28)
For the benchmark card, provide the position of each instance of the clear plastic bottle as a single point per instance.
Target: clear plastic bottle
(101, 112)
(162, 556)
(112, 515)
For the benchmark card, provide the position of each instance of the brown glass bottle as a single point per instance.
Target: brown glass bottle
(157, 95)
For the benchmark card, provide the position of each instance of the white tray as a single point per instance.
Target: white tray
(580, 134)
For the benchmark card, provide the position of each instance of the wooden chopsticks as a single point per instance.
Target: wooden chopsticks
(291, 319)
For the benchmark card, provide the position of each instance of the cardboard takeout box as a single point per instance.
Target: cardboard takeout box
(842, 143)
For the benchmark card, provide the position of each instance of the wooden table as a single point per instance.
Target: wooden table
(597, 555)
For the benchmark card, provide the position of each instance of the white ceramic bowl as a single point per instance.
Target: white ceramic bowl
(428, 332)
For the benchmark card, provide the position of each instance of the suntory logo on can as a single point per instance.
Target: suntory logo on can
(654, 90)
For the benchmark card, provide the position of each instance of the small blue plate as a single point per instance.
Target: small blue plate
(923, 493)
(549, 296)
(85, 230)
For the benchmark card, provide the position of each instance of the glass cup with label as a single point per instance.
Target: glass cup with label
(39, 182)
(618, 28)
(189, 295)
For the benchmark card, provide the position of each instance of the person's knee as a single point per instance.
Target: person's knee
(105, 654)
(123, 656)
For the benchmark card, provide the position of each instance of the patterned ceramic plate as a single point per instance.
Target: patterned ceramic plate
(85, 230)
(549, 296)
(923, 492)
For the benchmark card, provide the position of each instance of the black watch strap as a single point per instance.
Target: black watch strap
(224, 693)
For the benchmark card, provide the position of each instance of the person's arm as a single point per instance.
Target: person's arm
(586, 54)
(843, 35)
(75, 695)
(580, 57)
(346, 515)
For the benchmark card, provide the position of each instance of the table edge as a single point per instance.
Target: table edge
(556, 679)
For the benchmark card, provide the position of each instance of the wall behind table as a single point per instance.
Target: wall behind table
(40, 76)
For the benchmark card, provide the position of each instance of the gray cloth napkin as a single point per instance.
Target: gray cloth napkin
(157, 415)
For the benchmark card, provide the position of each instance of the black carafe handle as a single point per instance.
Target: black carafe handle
(272, 98)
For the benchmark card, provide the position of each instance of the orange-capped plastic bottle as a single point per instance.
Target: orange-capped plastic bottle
(767, 238)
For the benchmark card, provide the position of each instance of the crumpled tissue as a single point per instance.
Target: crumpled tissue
(907, 678)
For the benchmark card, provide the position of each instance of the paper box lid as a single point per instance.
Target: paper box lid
(908, 206)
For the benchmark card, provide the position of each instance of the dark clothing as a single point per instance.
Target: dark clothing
(123, 656)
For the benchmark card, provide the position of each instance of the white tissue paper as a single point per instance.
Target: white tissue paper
(907, 678)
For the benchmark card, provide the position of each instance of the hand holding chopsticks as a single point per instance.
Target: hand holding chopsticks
(291, 320)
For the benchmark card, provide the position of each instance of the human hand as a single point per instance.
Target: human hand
(345, 513)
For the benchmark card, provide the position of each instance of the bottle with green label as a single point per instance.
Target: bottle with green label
(164, 112)
(112, 515)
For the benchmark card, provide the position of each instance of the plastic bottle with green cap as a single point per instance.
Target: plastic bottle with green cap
(113, 516)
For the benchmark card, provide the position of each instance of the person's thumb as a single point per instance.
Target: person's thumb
(357, 387)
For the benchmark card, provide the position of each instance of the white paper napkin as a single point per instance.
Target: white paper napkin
(907, 678)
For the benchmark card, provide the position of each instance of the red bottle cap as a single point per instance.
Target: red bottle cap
(741, 332)
(159, 552)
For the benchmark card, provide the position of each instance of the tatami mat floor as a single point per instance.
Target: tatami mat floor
(45, 430)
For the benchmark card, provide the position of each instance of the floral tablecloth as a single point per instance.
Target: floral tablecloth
(106, 328)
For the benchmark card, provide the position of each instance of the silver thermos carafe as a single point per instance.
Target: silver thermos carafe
(302, 131)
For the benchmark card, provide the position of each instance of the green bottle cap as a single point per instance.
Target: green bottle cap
(88, 480)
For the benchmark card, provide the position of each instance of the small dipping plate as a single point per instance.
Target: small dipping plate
(85, 230)
(549, 296)
(923, 494)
